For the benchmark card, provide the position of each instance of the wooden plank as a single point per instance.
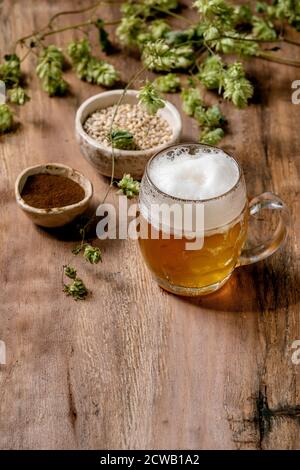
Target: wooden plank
(134, 367)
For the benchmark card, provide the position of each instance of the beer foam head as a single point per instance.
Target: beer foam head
(198, 173)
(195, 177)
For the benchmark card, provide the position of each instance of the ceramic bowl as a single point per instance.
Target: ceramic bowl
(126, 161)
(57, 216)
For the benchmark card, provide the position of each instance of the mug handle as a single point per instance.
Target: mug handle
(267, 201)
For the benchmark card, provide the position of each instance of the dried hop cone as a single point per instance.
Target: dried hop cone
(92, 254)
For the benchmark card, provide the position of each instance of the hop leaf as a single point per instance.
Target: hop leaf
(76, 289)
(191, 99)
(169, 83)
(121, 139)
(263, 29)
(92, 254)
(17, 95)
(211, 137)
(128, 186)
(149, 98)
(6, 118)
(104, 40)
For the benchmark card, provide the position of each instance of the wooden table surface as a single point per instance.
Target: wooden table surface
(132, 366)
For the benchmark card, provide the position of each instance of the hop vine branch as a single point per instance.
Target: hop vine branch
(221, 28)
(199, 49)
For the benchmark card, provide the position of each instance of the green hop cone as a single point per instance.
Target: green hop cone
(92, 254)
(211, 137)
(10, 70)
(51, 54)
(150, 99)
(76, 289)
(191, 98)
(129, 30)
(212, 8)
(100, 72)
(237, 88)
(55, 86)
(235, 71)
(88, 67)
(6, 118)
(77, 249)
(161, 57)
(200, 115)
(82, 68)
(49, 70)
(158, 29)
(238, 91)
(158, 56)
(214, 116)
(210, 117)
(211, 72)
(169, 83)
(17, 95)
(79, 50)
(129, 187)
(70, 272)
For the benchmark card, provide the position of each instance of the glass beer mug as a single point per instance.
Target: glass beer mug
(211, 184)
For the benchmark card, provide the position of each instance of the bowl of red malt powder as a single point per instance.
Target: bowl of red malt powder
(52, 195)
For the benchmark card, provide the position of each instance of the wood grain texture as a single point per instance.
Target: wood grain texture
(134, 367)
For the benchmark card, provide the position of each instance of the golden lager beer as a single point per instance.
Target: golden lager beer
(206, 178)
(214, 262)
